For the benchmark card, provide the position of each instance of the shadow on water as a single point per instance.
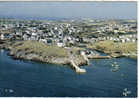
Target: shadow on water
(33, 79)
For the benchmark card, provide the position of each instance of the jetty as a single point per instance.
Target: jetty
(101, 57)
(77, 68)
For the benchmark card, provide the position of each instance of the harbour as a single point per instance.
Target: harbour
(33, 79)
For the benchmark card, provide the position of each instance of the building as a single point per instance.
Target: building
(2, 37)
(60, 44)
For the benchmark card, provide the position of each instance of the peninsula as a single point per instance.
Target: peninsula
(71, 42)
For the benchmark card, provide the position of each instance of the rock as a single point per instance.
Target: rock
(126, 92)
(112, 65)
(48, 59)
(11, 90)
(11, 53)
(31, 56)
(60, 60)
(6, 90)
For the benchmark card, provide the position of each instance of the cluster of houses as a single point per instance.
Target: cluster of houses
(115, 32)
(121, 38)
(61, 34)
(49, 33)
(118, 28)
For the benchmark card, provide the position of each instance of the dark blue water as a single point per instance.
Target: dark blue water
(31, 79)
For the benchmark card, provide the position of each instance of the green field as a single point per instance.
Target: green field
(115, 47)
(39, 48)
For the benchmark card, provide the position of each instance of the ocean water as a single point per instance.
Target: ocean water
(31, 79)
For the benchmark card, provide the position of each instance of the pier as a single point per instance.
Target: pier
(101, 57)
(77, 68)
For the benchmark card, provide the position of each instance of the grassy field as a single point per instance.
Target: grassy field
(107, 46)
(128, 47)
(113, 47)
(39, 48)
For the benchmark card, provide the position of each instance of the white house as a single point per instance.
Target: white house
(34, 34)
(2, 37)
(127, 39)
(83, 53)
(60, 44)
(25, 37)
(133, 40)
(43, 40)
(55, 28)
(115, 31)
(111, 38)
(123, 40)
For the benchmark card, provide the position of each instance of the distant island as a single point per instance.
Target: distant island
(71, 42)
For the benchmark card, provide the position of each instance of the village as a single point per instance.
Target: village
(67, 33)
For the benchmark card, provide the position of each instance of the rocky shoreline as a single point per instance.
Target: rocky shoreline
(53, 60)
(118, 55)
(79, 61)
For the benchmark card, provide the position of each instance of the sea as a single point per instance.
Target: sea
(20, 78)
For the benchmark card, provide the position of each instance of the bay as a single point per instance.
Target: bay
(33, 79)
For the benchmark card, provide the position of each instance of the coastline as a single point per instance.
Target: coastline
(17, 51)
(54, 59)
(116, 50)
(44, 72)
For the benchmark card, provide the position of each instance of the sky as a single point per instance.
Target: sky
(96, 10)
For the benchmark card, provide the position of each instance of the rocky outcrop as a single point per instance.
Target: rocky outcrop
(25, 54)
(47, 59)
(60, 60)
